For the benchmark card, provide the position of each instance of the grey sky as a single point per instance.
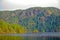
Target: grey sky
(21, 4)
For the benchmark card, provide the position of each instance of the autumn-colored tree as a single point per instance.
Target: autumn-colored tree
(1, 32)
(49, 12)
(18, 28)
(4, 26)
(7, 28)
(35, 31)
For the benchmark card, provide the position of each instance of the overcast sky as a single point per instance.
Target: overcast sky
(23, 4)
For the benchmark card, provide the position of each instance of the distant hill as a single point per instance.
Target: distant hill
(35, 19)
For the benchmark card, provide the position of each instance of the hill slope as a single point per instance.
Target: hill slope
(35, 19)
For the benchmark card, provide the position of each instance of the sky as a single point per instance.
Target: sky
(24, 4)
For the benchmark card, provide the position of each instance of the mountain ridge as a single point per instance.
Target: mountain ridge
(36, 19)
(30, 8)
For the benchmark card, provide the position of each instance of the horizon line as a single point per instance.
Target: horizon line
(25, 8)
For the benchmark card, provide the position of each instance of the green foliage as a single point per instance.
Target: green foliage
(42, 19)
(11, 28)
(18, 28)
(4, 25)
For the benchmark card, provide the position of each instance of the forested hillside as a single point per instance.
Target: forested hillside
(32, 20)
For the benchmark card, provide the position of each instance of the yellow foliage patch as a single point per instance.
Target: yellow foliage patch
(35, 31)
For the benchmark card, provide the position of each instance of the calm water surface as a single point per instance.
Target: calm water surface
(34, 36)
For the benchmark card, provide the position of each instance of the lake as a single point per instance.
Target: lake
(34, 36)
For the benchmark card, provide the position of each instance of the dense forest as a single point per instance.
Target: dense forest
(31, 20)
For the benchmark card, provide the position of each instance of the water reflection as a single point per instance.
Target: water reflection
(42, 38)
(28, 38)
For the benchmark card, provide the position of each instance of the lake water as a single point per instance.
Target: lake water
(34, 36)
(28, 38)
